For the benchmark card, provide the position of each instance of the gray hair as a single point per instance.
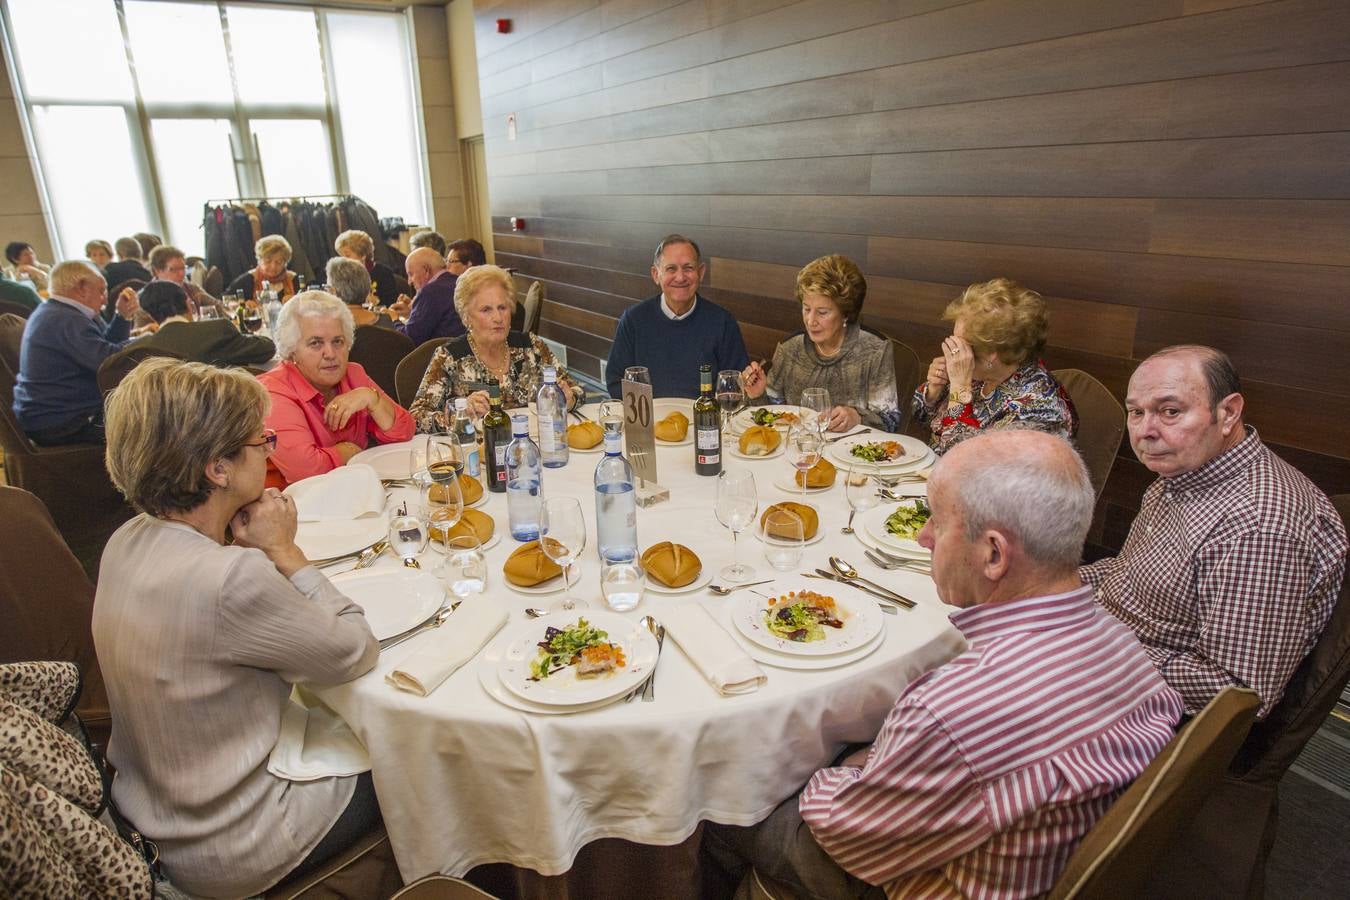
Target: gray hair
(310, 305)
(69, 275)
(1029, 484)
(349, 280)
(670, 239)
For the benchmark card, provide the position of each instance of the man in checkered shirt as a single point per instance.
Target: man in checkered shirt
(1235, 561)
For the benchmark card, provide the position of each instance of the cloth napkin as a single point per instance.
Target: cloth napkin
(346, 493)
(314, 742)
(445, 649)
(712, 651)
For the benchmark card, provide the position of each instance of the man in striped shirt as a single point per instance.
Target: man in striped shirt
(990, 768)
(1233, 565)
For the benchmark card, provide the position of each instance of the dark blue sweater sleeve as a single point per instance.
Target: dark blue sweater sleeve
(620, 356)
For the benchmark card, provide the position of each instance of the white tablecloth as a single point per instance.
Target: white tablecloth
(463, 780)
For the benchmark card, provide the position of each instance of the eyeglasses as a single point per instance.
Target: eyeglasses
(269, 441)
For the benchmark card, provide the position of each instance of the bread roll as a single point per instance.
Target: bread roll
(470, 489)
(821, 475)
(810, 521)
(584, 435)
(475, 523)
(758, 440)
(529, 566)
(673, 427)
(674, 565)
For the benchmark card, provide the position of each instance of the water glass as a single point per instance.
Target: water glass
(407, 538)
(622, 584)
(638, 374)
(860, 489)
(463, 570)
(737, 504)
(783, 534)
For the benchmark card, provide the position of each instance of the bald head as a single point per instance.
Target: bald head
(424, 264)
(1030, 485)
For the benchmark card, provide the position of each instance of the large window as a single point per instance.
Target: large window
(144, 110)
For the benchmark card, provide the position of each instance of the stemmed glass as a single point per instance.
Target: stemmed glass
(737, 503)
(464, 569)
(860, 487)
(817, 401)
(562, 535)
(611, 416)
(637, 374)
(442, 503)
(804, 444)
(730, 393)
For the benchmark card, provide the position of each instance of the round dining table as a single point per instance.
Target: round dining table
(465, 780)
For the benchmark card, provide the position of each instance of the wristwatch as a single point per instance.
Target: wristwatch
(962, 396)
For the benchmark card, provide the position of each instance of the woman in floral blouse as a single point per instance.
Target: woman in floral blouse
(489, 353)
(989, 374)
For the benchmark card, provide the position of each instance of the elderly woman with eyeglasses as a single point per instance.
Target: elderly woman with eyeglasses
(325, 409)
(200, 638)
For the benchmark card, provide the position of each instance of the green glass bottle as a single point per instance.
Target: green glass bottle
(707, 426)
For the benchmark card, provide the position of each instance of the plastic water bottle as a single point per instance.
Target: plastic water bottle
(524, 485)
(461, 426)
(271, 306)
(615, 505)
(551, 408)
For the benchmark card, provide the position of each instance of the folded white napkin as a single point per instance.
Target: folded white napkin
(314, 742)
(347, 492)
(448, 647)
(712, 651)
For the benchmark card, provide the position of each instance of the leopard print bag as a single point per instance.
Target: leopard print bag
(51, 844)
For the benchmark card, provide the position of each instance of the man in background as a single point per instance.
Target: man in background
(431, 312)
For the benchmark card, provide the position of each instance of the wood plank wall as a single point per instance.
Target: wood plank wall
(1162, 170)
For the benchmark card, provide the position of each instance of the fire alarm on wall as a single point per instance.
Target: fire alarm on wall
(517, 223)
(503, 26)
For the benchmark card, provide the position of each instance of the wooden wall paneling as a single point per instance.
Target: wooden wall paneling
(1316, 232)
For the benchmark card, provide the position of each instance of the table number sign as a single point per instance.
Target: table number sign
(640, 441)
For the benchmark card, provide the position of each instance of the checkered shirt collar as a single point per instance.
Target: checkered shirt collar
(1221, 468)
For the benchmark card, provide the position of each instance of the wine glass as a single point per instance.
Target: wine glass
(816, 401)
(622, 584)
(860, 487)
(230, 303)
(442, 502)
(611, 416)
(730, 393)
(804, 445)
(407, 537)
(737, 503)
(784, 535)
(562, 535)
(253, 317)
(463, 570)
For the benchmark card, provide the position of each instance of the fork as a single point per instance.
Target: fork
(435, 620)
(896, 564)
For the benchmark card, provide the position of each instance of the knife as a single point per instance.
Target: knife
(888, 596)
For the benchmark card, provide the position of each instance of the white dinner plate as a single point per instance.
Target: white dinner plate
(663, 408)
(916, 452)
(553, 585)
(873, 544)
(788, 483)
(816, 538)
(394, 599)
(807, 663)
(874, 523)
(492, 542)
(324, 540)
(565, 688)
(489, 661)
(745, 418)
(704, 576)
(589, 451)
(859, 613)
(388, 460)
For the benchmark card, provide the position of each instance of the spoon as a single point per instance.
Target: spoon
(845, 570)
(719, 589)
(659, 632)
(535, 613)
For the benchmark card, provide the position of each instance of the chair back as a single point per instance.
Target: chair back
(1115, 858)
(442, 887)
(46, 600)
(119, 365)
(411, 369)
(11, 340)
(909, 372)
(379, 351)
(214, 281)
(1312, 691)
(1101, 422)
(9, 307)
(365, 868)
(534, 308)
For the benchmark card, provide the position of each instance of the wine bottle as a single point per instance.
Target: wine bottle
(496, 435)
(707, 426)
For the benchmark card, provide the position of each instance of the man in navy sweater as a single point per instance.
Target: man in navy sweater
(56, 398)
(675, 332)
(431, 313)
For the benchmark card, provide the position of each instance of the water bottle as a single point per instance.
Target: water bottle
(271, 306)
(461, 426)
(615, 505)
(551, 408)
(524, 488)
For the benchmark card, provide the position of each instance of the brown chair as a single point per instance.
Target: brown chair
(71, 480)
(11, 339)
(1115, 857)
(214, 281)
(412, 368)
(365, 869)
(46, 601)
(533, 309)
(909, 373)
(119, 365)
(1101, 422)
(10, 308)
(442, 887)
(1223, 853)
(379, 351)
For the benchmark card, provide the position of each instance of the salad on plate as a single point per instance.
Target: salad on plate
(802, 616)
(582, 645)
